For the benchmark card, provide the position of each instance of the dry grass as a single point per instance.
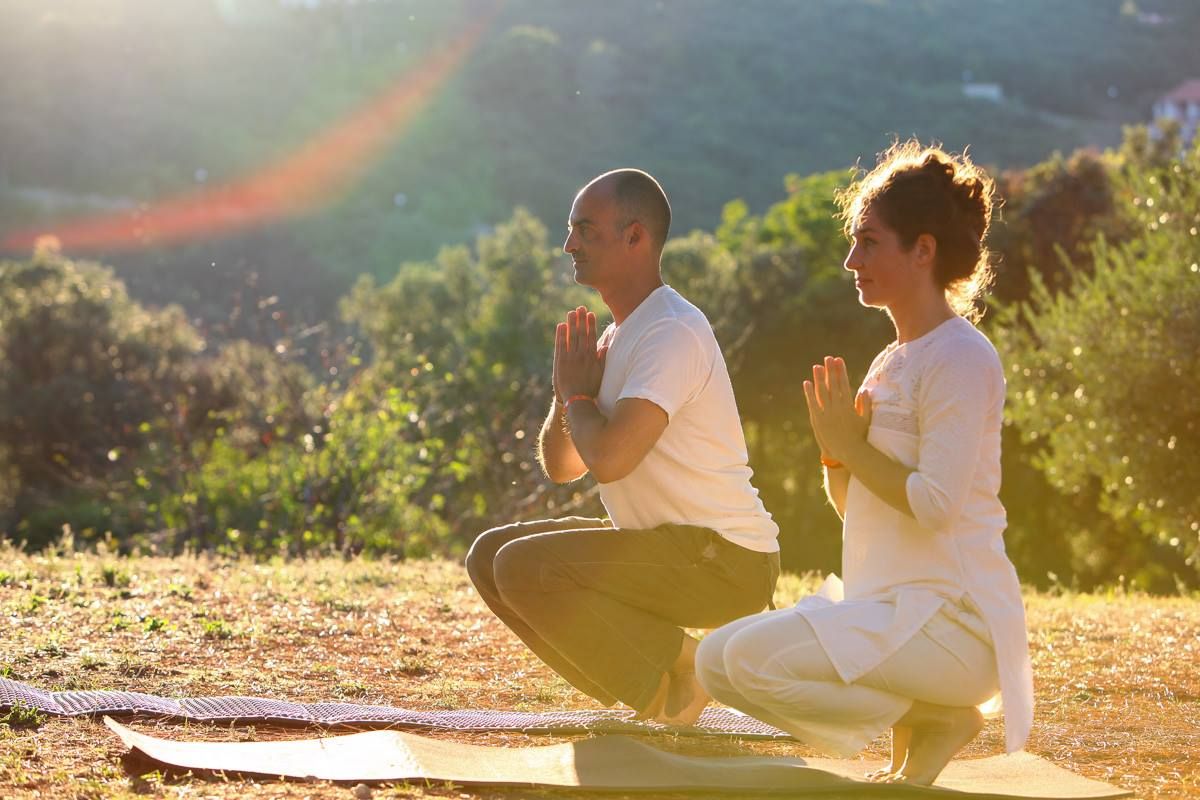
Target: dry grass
(1118, 680)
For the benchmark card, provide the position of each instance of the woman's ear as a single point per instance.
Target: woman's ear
(925, 250)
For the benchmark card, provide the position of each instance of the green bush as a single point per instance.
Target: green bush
(347, 488)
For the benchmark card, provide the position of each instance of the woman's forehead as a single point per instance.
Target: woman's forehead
(868, 221)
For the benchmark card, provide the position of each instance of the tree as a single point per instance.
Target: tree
(468, 340)
(1053, 209)
(85, 369)
(779, 300)
(104, 403)
(1102, 374)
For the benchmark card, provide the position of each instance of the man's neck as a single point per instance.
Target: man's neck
(623, 299)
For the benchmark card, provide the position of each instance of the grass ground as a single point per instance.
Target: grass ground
(1118, 675)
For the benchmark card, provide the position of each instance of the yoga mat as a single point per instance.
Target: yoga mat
(713, 722)
(606, 762)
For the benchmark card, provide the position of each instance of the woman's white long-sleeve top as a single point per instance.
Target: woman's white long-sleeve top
(938, 409)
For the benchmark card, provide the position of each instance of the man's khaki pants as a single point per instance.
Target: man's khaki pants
(604, 607)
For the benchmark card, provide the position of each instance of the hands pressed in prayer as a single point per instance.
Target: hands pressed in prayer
(839, 419)
(578, 364)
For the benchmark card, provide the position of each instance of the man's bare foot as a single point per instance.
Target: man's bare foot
(901, 739)
(938, 733)
(686, 698)
(686, 701)
(655, 707)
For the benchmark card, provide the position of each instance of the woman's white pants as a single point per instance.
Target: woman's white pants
(772, 666)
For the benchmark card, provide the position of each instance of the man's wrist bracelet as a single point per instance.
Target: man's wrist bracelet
(573, 398)
(831, 463)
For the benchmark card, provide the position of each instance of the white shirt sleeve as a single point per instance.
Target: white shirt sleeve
(957, 393)
(668, 366)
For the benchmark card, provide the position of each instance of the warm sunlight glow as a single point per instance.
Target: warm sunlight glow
(312, 176)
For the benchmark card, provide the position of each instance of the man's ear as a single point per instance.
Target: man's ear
(635, 234)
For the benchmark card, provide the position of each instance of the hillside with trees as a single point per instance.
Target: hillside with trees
(111, 105)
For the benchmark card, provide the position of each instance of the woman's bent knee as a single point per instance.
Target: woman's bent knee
(710, 670)
(742, 670)
(710, 660)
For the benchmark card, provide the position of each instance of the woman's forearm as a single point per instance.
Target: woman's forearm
(837, 481)
(885, 478)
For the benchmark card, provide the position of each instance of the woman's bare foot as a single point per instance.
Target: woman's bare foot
(938, 733)
(686, 698)
(655, 708)
(901, 739)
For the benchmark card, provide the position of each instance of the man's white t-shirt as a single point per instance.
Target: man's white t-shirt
(697, 472)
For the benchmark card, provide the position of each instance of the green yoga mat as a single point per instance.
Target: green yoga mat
(605, 762)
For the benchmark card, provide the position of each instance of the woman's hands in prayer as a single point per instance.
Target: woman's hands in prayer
(840, 420)
(578, 365)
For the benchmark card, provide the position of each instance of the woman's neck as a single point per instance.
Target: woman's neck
(914, 320)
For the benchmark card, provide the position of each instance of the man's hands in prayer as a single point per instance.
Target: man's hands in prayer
(578, 365)
(839, 420)
(609, 447)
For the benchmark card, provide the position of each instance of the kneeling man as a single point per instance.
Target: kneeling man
(648, 409)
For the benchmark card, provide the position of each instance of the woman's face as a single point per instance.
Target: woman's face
(885, 274)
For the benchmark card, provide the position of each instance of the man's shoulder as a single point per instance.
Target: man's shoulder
(680, 305)
(683, 331)
(676, 312)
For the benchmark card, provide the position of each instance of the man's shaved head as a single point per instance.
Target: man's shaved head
(640, 197)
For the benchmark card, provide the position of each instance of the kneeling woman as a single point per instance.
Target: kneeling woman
(928, 630)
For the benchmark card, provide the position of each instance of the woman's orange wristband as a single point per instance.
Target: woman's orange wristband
(831, 463)
(575, 397)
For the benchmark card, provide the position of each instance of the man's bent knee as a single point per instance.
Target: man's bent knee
(483, 551)
(487, 544)
(517, 567)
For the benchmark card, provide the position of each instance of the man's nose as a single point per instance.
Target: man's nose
(569, 245)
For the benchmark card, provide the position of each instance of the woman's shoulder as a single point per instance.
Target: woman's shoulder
(962, 353)
(959, 340)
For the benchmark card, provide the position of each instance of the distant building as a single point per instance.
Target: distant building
(992, 92)
(1182, 105)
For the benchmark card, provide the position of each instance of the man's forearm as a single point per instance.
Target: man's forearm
(556, 450)
(586, 425)
(612, 447)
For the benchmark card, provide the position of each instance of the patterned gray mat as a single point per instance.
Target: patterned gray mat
(713, 722)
